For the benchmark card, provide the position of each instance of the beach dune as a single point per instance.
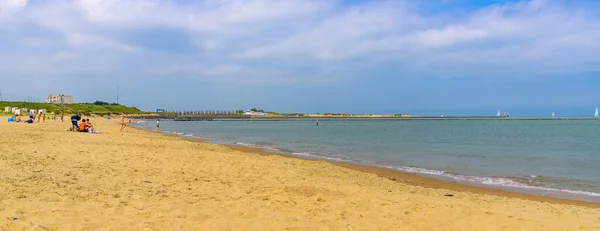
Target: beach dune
(52, 179)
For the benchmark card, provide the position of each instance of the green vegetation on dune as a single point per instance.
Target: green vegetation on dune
(102, 109)
(86, 108)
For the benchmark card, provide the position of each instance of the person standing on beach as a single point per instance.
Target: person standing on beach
(123, 124)
(74, 120)
(62, 116)
(157, 124)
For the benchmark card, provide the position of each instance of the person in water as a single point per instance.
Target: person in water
(157, 124)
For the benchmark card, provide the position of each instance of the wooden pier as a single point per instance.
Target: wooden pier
(194, 115)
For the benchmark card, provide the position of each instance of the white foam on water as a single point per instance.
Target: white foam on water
(247, 144)
(316, 156)
(491, 181)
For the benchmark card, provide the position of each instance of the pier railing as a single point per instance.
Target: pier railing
(201, 112)
(191, 115)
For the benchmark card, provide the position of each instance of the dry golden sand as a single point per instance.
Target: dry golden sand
(51, 179)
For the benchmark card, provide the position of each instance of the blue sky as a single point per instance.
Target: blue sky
(420, 57)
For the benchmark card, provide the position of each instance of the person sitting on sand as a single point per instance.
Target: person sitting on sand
(89, 125)
(17, 118)
(83, 126)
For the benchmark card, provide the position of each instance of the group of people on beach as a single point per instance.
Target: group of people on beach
(84, 126)
(39, 117)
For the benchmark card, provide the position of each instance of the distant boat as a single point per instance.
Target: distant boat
(498, 114)
(552, 114)
(596, 113)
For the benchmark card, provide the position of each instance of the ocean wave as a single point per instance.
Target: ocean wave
(246, 144)
(307, 155)
(489, 181)
(317, 156)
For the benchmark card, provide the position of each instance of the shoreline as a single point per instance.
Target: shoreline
(420, 180)
(411, 178)
(139, 179)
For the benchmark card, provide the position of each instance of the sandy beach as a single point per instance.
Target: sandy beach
(52, 179)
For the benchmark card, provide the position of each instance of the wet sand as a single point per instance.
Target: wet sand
(429, 182)
(58, 180)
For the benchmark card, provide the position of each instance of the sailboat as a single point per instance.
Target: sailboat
(552, 114)
(596, 113)
(498, 115)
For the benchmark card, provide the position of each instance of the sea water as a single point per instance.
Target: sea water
(559, 158)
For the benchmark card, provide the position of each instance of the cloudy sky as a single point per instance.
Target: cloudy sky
(420, 57)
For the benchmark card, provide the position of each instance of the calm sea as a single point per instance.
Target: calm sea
(559, 158)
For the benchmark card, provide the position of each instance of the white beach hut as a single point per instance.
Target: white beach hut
(42, 111)
(7, 109)
(14, 109)
(33, 111)
(23, 109)
(18, 112)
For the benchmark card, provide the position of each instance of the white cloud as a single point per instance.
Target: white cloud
(298, 40)
(450, 35)
(10, 7)
(91, 42)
